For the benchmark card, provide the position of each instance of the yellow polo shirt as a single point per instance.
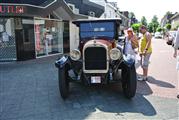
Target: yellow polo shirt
(143, 43)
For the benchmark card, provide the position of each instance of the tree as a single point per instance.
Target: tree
(132, 18)
(144, 21)
(177, 26)
(150, 27)
(168, 26)
(131, 15)
(168, 13)
(155, 23)
(136, 27)
(160, 29)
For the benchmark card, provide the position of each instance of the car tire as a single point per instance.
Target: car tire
(63, 82)
(129, 81)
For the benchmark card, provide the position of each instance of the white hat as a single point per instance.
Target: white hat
(129, 29)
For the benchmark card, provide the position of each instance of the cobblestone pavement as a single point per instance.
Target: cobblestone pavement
(29, 91)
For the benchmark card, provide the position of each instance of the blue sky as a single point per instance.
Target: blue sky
(148, 8)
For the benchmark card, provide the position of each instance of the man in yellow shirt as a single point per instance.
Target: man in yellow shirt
(145, 51)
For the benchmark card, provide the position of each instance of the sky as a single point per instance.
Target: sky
(148, 8)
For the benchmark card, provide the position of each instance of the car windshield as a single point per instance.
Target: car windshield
(96, 30)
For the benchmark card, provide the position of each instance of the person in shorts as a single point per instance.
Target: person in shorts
(176, 54)
(145, 51)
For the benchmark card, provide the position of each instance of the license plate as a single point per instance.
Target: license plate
(95, 79)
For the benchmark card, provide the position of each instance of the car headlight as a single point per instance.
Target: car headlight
(75, 54)
(115, 54)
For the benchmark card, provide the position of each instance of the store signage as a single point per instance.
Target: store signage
(11, 9)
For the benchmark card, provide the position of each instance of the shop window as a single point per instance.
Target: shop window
(49, 37)
(7, 39)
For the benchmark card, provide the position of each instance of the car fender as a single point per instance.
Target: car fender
(62, 62)
(128, 61)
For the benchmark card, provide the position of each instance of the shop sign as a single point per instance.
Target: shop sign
(11, 9)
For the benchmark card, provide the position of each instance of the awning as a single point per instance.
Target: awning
(57, 7)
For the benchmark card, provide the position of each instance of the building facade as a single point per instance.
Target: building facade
(166, 19)
(175, 21)
(111, 10)
(33, 29)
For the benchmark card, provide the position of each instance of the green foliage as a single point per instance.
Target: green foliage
(155, 19)
(131, 15)
(155, 23)
(144, 21)
(168, 13)
(168, 26)
(136, 27)
(177, 26)
(150, 27)
(159, 29)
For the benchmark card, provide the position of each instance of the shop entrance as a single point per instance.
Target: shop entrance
(25, 41)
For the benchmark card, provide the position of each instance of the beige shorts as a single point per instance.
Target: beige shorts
(145, 60)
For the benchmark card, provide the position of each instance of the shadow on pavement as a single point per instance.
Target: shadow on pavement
(143, 88)
(109, 99)
(160, 83)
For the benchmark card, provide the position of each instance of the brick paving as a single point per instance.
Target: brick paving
(29, 91)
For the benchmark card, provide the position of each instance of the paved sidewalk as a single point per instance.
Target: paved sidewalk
(29, 91)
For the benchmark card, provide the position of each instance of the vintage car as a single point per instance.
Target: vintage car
(98, 59)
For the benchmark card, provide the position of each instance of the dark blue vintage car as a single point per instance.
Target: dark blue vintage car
(98, 59)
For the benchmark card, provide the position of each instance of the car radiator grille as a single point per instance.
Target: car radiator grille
(95, 58)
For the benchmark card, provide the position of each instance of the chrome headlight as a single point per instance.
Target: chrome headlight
(115, 54)
(75, 54)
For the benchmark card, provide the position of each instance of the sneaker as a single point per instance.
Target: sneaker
(140, 78)
(145, 78)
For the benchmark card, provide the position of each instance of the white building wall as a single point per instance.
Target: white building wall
(74, 36)
(175, 22)
(110, 11)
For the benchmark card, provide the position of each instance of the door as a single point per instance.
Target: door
(25, 41)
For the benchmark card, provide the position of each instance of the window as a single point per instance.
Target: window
(96, 29)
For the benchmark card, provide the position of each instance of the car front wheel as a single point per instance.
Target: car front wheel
(63, 82)
(129, 81)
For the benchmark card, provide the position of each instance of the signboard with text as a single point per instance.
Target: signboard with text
(12, 9)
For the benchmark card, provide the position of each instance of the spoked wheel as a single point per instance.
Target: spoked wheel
(63, 82)
(129, 81)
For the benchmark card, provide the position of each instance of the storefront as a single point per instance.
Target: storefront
(26, 35)
(48, 37)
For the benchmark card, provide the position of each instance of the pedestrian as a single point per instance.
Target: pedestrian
(131, 44)
(145, 51)
(176, 53)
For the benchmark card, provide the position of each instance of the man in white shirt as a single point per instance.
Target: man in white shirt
(176, 54)
(176, 44)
